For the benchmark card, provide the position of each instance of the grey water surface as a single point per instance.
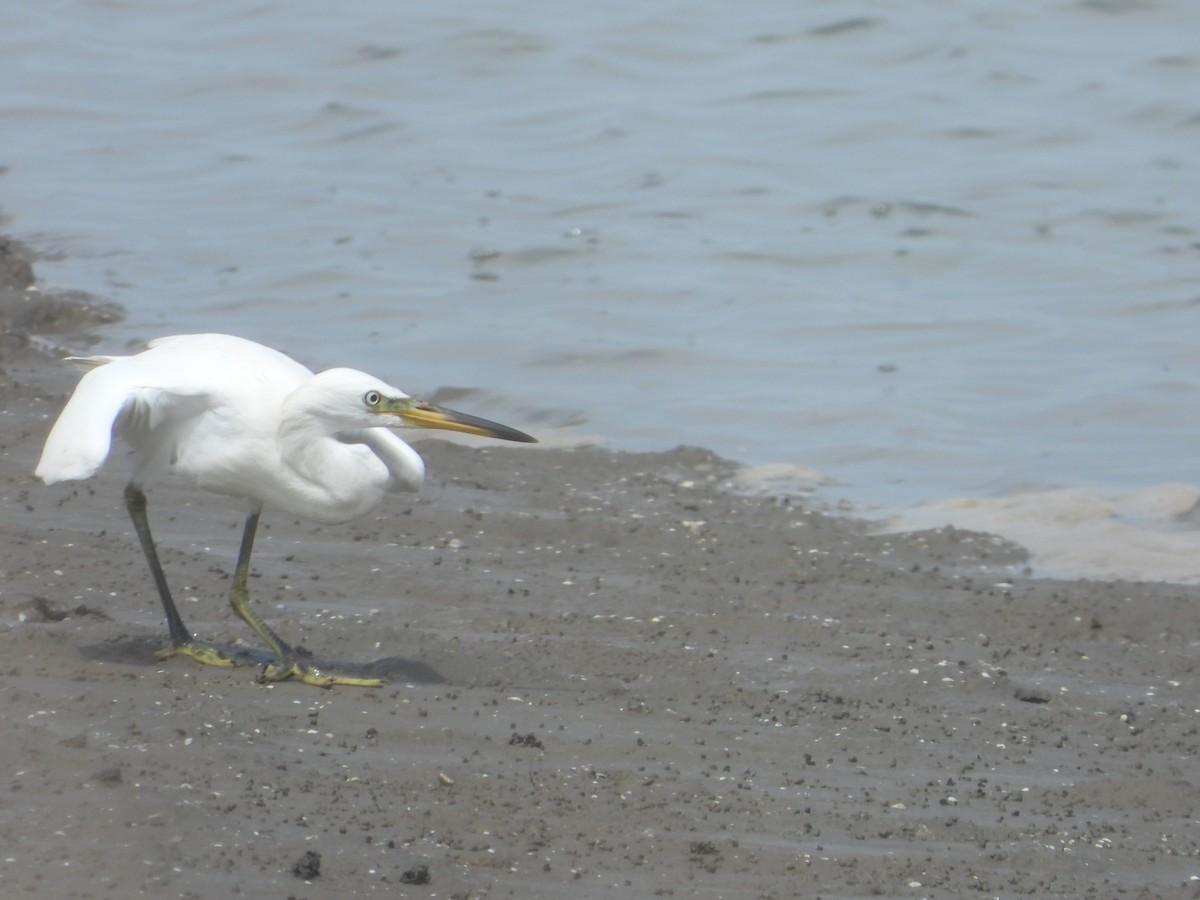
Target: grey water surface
(928, 249)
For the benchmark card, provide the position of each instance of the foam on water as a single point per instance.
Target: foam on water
(1144, 534)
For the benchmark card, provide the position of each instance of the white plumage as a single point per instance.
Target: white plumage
(241, 419)
(245, 420)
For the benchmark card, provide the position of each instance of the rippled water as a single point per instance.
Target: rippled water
(934, 250)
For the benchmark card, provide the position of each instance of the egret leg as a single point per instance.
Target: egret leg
(287, 663)
(182, 641)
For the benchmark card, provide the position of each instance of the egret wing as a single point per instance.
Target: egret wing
(111, 398)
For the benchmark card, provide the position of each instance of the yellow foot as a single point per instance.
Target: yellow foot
(272, 668)
(209, 654)
(282, 670)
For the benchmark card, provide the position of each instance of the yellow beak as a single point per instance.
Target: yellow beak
(420, 414)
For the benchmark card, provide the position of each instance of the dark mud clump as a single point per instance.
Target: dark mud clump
(307, 866)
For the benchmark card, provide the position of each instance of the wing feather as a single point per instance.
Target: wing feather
(110, 398)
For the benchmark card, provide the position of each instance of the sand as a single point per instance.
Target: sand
(612, 675)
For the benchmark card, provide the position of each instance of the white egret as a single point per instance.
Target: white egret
(247, 421)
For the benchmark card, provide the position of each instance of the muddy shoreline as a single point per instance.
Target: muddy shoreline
(612, 676)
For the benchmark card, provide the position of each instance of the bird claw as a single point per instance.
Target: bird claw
(282, 670)
(209, 654)
(271, 668)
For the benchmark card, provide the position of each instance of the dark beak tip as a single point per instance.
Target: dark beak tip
(517, 437)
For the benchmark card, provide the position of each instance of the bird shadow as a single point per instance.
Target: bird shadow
(141, 651)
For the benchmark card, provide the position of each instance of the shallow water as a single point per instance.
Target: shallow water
(949, 251)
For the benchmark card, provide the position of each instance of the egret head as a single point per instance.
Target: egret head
(354, 399)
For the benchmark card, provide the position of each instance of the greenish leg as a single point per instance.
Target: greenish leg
(287, 663)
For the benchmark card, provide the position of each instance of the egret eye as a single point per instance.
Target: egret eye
(372, 398)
